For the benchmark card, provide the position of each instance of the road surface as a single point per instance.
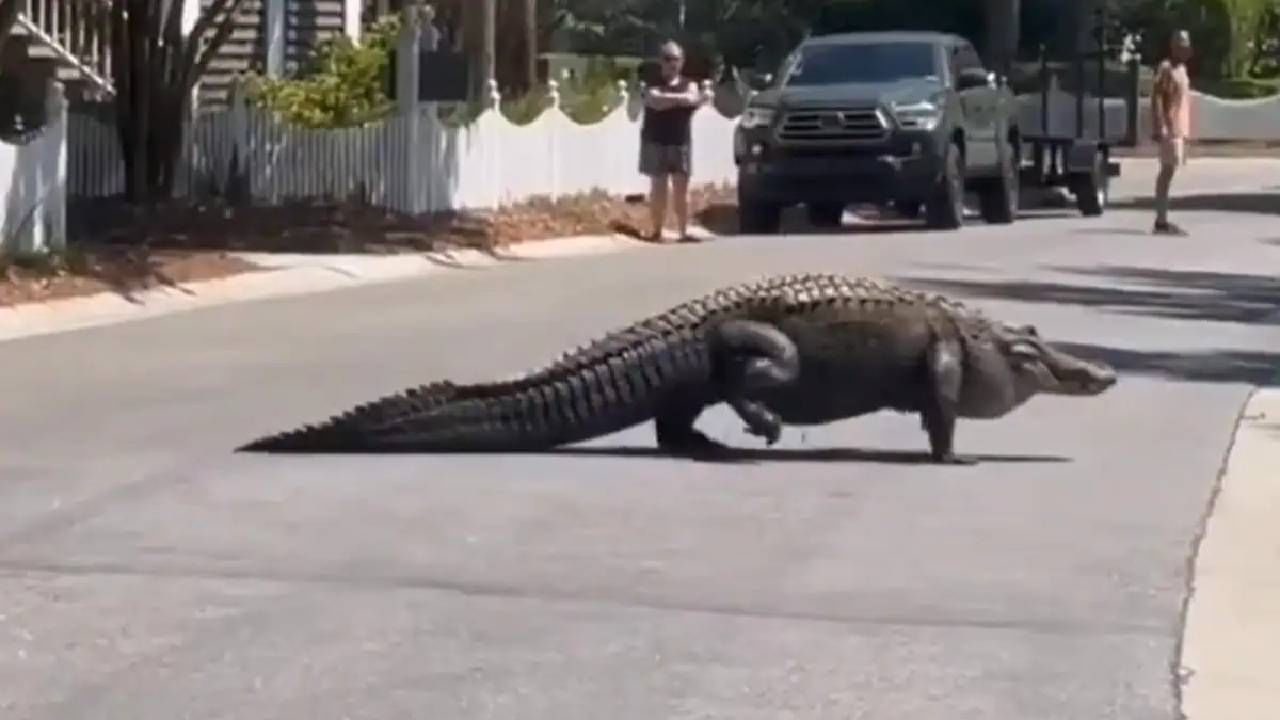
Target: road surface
(147, 572)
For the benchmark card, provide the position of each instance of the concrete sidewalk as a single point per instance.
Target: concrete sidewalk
(284, 275)
(1231, 646)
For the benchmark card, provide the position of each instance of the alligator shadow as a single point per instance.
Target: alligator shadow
(808, 455)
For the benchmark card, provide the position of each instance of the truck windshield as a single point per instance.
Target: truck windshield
(859, 62)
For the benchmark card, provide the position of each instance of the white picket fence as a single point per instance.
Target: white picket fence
(33, 176)
(412, 162)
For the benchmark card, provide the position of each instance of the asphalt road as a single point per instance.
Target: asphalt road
(147, 572)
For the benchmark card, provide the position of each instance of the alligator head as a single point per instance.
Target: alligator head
(1006, 365)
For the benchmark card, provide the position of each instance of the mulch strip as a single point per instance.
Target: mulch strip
(125, 250)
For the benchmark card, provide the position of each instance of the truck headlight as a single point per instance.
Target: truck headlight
(922, 115)
(755, 117)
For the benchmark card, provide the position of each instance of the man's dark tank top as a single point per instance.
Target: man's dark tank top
(671, 126)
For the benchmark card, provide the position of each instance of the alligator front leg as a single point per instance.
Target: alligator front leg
(946, 374)
(753, 356)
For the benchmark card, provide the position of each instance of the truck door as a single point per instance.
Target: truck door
(979, 107)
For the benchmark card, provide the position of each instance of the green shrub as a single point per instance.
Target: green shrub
(344, 85)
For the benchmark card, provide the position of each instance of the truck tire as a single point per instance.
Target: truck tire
(756, 217)
(1000, 196)
(825, 215)
(1091, 188)
(946, 208)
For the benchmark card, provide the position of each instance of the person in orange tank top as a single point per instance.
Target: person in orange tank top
(1171, 123)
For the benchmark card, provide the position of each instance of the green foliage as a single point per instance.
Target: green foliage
(344, 85)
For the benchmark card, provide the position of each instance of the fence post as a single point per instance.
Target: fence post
(407, 66)
(493, 144)
(553, 94)
(53, 230)
(239, 182)
(189, 149)
(273, 11)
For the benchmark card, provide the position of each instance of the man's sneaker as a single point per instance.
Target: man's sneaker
(1168, 228)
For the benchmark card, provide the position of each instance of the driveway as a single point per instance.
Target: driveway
(148, 572)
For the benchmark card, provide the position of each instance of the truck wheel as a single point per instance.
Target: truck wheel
(1092, 189)
(756, 217)
(946, 207)
(825, 215)
(1000, 196)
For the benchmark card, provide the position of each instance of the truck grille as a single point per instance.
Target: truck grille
(835, 124)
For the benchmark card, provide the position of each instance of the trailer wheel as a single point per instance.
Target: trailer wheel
(1092, 188)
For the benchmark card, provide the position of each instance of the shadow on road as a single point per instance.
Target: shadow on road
(1170, 294)
(1267, 203)
(812, 455)
(722, 219)
(1220, 366)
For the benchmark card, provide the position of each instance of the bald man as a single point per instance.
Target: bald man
(665, 139)
(1171, 123)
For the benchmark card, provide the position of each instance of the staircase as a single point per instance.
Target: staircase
(64, 40)
(307, 23)
(245, 50)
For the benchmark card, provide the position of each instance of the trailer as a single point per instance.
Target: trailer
(1075, 108)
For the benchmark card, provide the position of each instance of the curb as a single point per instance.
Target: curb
(1231, 641)
(282, 275)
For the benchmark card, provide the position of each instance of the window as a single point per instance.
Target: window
(859, 62)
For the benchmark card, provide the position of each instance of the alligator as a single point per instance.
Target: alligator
(799, 349)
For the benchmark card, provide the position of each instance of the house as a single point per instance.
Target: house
(69, 41)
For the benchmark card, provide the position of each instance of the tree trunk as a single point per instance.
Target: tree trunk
(1002, 33)
(155, 68)
(479, 21)
(531, 43)
(8, 15)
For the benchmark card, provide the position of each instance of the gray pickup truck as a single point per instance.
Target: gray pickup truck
(911, 119)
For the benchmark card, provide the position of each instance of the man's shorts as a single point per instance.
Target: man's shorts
(658, 159)
(1173, 152)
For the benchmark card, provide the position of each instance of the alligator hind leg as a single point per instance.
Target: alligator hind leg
(753, 356)
(676, 434)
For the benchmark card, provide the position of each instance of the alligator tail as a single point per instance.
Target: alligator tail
(581, 397)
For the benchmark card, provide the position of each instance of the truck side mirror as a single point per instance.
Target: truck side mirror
(970, 78)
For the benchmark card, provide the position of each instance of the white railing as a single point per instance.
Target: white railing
(33, 178)
(78, 33)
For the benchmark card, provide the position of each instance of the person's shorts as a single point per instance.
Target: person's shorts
(664, 159)
(1173, 152)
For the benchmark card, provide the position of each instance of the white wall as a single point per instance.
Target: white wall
(33, 186)
(1214, 118)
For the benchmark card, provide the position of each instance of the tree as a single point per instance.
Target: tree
(155, 66)
(478, 29)
(8, 16)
